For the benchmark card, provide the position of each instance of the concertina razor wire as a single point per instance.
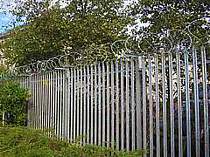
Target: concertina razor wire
(140, 45)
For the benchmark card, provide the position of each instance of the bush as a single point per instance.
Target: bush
(25, 142)
(13, 100)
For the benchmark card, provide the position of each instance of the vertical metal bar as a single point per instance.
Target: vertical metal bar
(88, 104)
(108, 105)
(68, 103)
(78, 101)
(138, 104)
(144, 105)
(92, 107)
(72, 113)
(44, 101)
(112, 106)
(171, 104)
(150, 107)
(34, 105)
(103, 105)
(81, 103)
(127, 107)
(187, 103)
(179, 103)
(117, 106)
(205, 100)
(32, 117)
(95, 106)
(75, 103)
(64, 108)
(39, 101)
(164, 105)
(49, 104)
(28, 110)
(24, 82)
(133, 133)
(34, 101)
(42, 97)
(52, 100)
(56, 102)
(3, 119)
(84, 105)
(48, 101)
(64, 104)
(59, 103)
(31, 107)
(99, 104)
(122, 106)
(196, 102)
(157, 107)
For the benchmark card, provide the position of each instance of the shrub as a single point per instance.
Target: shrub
(13, 100)
(25, 142)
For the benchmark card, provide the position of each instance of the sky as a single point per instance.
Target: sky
(5, 17)
(5, 20)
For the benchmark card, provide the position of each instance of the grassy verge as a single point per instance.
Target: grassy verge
(24, 142)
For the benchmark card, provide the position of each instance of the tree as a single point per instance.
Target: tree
(52, 30)
(162, 15)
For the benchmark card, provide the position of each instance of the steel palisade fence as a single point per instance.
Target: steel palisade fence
(157, 102)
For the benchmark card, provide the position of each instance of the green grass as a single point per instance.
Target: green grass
(24, 142)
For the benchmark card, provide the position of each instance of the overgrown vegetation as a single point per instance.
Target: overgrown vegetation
(78, 28)
(25, 142)
(19, 141)
(162, 15)
(13, 100)
(82, 27)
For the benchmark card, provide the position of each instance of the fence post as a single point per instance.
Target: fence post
(67, 106)
(139, 103)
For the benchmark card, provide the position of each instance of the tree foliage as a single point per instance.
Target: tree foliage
(52, 30)
(164, 15)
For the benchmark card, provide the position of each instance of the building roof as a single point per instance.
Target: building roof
(3, 35)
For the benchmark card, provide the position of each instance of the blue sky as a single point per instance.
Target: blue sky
(5, 20)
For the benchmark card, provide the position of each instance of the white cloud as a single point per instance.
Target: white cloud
(7, 4)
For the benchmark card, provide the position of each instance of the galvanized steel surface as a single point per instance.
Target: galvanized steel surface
(156, 102)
